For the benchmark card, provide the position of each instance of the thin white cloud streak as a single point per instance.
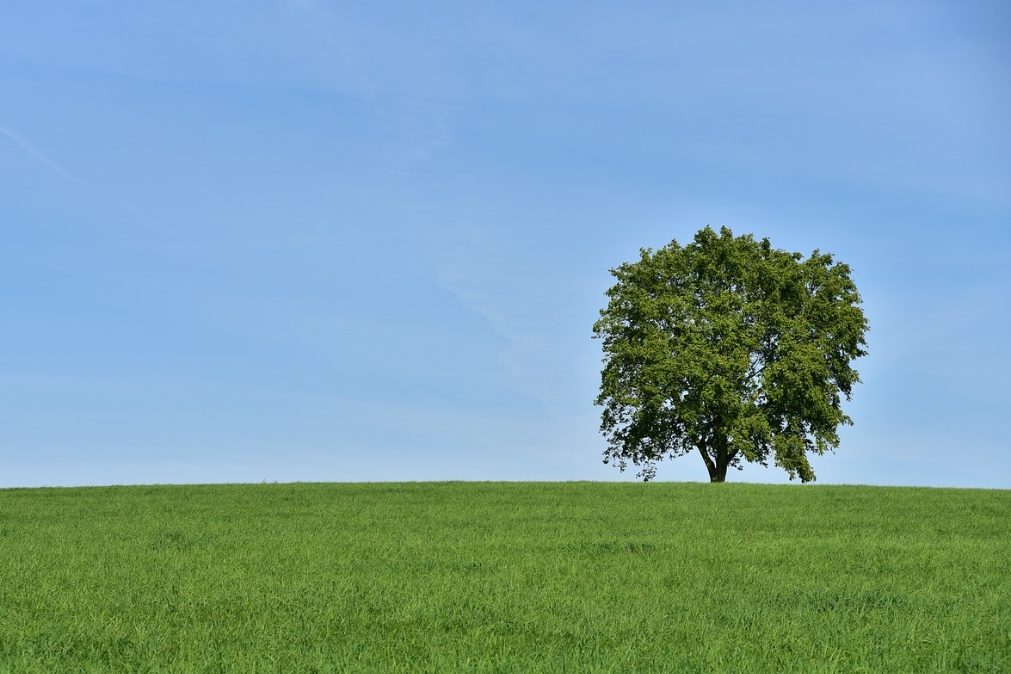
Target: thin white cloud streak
(519, 302)
(38, 156)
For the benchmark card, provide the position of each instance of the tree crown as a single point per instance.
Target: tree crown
(731, 347)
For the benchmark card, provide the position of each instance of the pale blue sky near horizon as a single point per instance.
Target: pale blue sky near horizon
(314, 241)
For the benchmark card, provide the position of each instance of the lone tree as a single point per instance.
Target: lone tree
(729, 347)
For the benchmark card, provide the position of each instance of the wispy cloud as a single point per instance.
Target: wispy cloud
(521, 301)
(28, 148)
(37, 155)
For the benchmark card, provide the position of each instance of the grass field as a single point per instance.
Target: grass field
(499, 577)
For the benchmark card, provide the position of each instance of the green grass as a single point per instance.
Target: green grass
(489, 577)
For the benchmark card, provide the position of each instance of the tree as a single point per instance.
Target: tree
(729, 347)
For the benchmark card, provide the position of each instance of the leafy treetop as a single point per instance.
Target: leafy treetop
(729, 347)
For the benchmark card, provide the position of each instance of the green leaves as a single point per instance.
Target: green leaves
(730, 347)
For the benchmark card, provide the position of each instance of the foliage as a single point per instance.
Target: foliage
(730, 347)
(478, 577)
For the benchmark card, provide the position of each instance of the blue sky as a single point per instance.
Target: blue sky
(276, 241)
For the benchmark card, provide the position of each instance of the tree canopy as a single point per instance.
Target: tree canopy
(731, 348)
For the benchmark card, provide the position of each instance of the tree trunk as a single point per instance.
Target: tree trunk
(710, 466)
(722, 459)
(720, 474)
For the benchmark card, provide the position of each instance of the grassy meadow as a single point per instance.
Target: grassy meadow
(505, 577)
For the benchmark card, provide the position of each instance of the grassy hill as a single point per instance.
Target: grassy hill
(505, 577)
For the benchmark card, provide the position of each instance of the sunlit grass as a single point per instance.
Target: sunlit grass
(492, 577)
